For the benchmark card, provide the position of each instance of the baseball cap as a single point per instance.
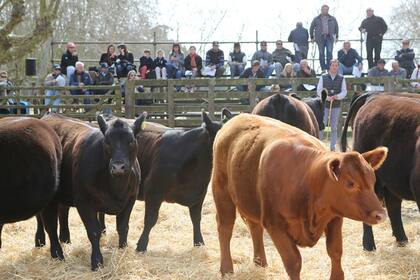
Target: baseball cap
(104, 65)
(255, 62)
(56, 66)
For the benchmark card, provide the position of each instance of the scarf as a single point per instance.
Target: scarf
(193, 62)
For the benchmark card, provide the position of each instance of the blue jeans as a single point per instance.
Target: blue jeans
(326, 42)
(268, 70)
(236, 70)
(335, 118)
(344, 70)
(172, 72)
(55, 102)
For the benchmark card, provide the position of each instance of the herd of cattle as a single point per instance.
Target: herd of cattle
(268, 166)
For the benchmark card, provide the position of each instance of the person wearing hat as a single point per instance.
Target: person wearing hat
(69, 59)
(103, 78)
(265, 58)
(236, 61)
(375, 28)
(54, 79)
(377, 71)
(405, 57)
(253, 72)
(215, 60)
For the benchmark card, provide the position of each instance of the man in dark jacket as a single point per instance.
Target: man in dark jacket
(350, 61)
(104, 77)
(215, 59)
(299, 36)
(324, 29)
(375, 27)
(69, 58)
(405, 57)
(281, 56)
(80, 78)
(253, 72)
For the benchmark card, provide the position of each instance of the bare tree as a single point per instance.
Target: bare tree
(14, 46)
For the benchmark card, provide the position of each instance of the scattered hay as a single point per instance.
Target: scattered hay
(172, 256)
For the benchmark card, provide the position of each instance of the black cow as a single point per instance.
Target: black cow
(31, 154)
(391, 120)
(100, 173)
(305, 114)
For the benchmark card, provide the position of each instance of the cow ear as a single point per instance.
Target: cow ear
(226, 114)
(334, 169)
(206, 120)
(376, 157)
(139, 123)
(324, 94)
(102, 123)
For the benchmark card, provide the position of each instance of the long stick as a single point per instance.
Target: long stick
(329, 119)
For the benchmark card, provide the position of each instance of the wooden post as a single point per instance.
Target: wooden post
(130, 100)
(252, 93)
(171, 103)
(389, 84)
(212, 84)
(295, 84)
(118, 100)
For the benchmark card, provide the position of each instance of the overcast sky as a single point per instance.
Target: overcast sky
(272, 18)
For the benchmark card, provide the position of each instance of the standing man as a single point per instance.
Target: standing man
(69, 59)
(324, 29)
(335, 84)
(405, 57)
(375, 27)
(299, 36)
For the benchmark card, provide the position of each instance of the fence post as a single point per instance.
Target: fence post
(118, 100)
(389, 84)
(130, 99)
(295, 84)
(154, 42)
(171, 103)
(252, 93)
(211, 108)
(256, 40)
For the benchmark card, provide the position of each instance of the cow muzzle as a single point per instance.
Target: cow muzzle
(377, 216)
(118, 169)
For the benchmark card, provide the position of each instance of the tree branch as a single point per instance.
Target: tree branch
(18, 12)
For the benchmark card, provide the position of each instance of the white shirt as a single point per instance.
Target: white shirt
(338, 96)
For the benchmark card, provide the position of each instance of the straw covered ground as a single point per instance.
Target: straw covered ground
(171, 255)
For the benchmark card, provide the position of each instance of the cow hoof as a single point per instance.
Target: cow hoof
(57, 254)
(141, 250)
(65, 240)
(96, 266)
(39, 243)
(122, 245)
(199, 244)
(402, 243)
(259, 262)
(369, 248)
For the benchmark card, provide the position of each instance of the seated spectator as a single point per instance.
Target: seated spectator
(299, 36)
(215, 60)
(265, 58)
(416, 76)
(104, 77)
(124, 62)
(69, 59)
(287, 73)
(160, 65)
(253, 72)
(175, 65)
(305, 72)
(54, 79)
(350, 61)
(377, 71)
(405, 57)
(5, 90)
(193, 65)
(131, 76)
(147, 66)
(281, 56)
(109, 57)
(397, 71)
(80, 78)
(237, 61)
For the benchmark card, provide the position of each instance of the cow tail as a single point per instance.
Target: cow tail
(354, 108)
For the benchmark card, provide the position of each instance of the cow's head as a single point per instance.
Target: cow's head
(120, 144)
(214, 126)
(350, 185)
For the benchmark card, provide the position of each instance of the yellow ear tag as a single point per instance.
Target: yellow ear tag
(143, 125)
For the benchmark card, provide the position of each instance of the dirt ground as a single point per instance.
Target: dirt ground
(172, 256)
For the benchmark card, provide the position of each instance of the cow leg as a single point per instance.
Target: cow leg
(393, 206)
(101, 218)
(1, 228)
(151, 215)
(257, 232)
(63, 217)
(90, 220)
(123, 219)
(287, 249)
(195, 215)
(368, 239)
(49, 219)
(40, 233)
(335, 247)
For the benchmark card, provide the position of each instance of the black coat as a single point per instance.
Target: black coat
(198, 61)
(148, 62)
(106, 58)
(127, 57)
(374, 26)
(160, 62)
(67, 59)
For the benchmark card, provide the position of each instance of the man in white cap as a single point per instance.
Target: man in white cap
(55, 79)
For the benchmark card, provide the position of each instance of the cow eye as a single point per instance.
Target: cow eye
(350, 184)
